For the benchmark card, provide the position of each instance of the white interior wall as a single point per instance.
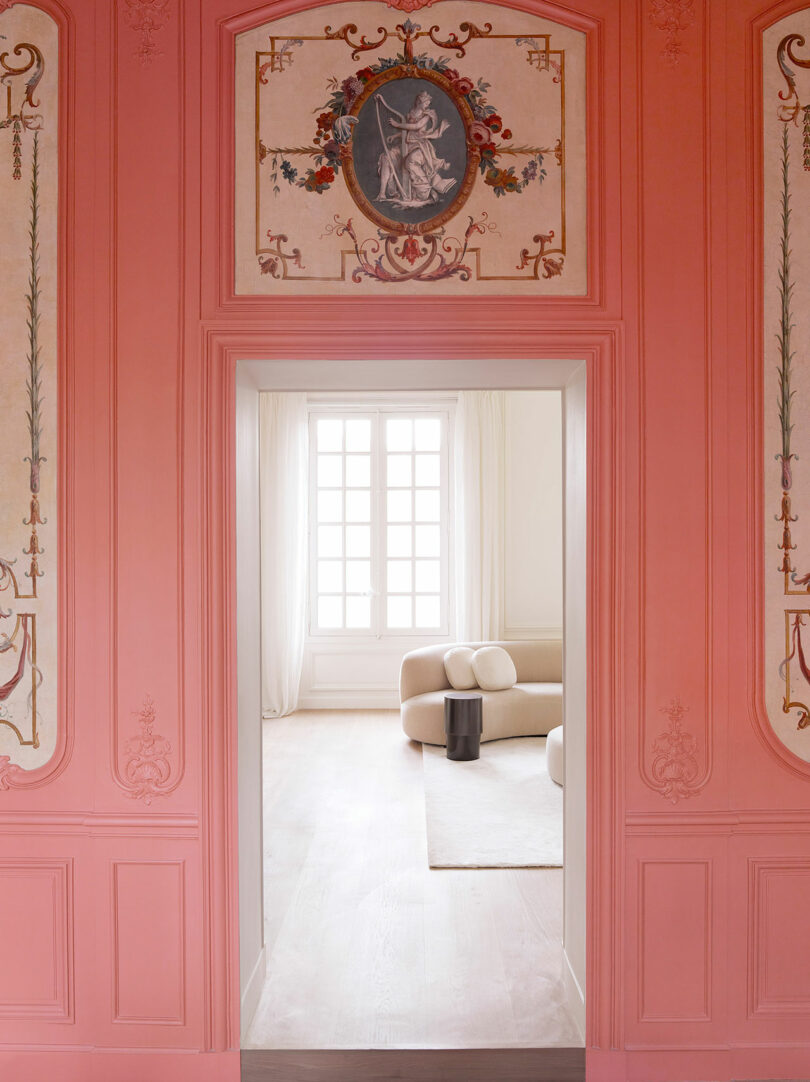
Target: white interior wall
(248, 644)
(575, 677)
(533, 501)
(357, 673)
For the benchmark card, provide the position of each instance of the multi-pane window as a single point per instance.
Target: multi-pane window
(380, 514)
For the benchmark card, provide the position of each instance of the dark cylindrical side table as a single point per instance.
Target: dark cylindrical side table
(462, 724)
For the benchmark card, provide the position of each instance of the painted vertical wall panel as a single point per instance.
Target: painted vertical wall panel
(146, 373)
(29, 462)
(36, 912)
(149, 910)
(780, 901)
(675, 907)
(673, 355)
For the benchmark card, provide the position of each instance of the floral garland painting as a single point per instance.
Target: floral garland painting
(454, 161)
(786, 376)
(28, 449)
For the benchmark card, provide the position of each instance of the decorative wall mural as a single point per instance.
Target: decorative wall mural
(376, 153)
(28, 512)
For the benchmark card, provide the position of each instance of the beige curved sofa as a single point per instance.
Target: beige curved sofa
(530, 708)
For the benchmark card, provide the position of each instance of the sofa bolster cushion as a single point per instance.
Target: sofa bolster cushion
(458, 666)
(494, 669)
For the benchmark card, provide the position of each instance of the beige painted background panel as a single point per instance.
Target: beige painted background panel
(525, 97)
(776, 600)
(20, 24)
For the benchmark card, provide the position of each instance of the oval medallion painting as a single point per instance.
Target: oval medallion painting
(408, 160)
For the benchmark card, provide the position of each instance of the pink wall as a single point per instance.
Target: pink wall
(119, 917)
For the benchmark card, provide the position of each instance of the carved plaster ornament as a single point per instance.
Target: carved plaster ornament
(675, 767)
(146, 17)
(672, 17)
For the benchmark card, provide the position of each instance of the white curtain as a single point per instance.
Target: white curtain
(479, 454)
(284, 455)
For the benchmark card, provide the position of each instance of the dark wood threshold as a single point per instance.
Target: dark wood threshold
(416, 1065)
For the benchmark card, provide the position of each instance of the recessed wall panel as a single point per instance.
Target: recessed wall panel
(36, 918)
(149, 947)
(674, 947)
(780, 900)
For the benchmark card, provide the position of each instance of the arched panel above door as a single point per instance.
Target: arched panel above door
(389, 154)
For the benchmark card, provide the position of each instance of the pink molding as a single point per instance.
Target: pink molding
(410, 5)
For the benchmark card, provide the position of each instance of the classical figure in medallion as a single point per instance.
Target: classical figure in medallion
(409, 160)
(409, 167)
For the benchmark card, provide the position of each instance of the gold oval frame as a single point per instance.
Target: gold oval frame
(391, 225)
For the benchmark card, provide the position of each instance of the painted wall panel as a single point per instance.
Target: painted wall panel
(786, 91)
(29, 514)
(674, 906)
(672, 135)
(149, 908)
(780, 974)
(36, 909)
(476, 186)
(146, 408)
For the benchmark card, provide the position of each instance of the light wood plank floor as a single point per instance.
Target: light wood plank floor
(367, 946)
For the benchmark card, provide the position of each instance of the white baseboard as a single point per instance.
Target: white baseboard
(574, 997)
(253, 992)
(349, 700)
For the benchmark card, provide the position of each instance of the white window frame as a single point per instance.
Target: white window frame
(378, 411)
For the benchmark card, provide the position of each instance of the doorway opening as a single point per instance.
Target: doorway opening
(390, 898)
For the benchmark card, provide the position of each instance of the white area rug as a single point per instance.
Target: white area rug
(499, 811)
